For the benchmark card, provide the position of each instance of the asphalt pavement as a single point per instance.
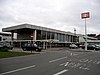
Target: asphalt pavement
(53, 62)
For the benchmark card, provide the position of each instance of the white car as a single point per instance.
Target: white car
(73, 46)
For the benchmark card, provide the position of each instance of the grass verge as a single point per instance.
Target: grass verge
(13, 54)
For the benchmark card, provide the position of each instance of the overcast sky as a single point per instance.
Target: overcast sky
(57, 14)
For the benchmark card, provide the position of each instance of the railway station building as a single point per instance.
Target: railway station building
(45, 37)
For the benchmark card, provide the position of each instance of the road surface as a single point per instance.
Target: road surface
(57, 62)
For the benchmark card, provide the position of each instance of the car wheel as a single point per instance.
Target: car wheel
(24, 49)
(36, 50)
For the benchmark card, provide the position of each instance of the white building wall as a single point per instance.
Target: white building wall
(4, 37)
(91, 39)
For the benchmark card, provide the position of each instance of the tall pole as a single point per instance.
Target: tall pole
(85, 35)
(75, 31)
(84, 16)
(75, 34)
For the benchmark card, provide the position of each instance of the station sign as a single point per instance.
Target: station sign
(85, 15)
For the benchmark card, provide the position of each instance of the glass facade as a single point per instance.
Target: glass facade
(46, 35)
(38, 34)
(43, 34)
(67, 38)
(52, 35)
(55, 37)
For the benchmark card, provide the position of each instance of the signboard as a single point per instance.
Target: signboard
(85, 15)
(32, 36)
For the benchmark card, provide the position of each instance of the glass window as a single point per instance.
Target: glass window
(38, 35)
(48, 35)
(55, 36)
(43, 35)
(52, 35)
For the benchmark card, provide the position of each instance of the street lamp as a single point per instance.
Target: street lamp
(75, 31)
(75, 34)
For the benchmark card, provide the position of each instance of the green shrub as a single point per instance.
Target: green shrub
(13, 54)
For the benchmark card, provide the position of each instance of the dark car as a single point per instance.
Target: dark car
(31, 47)
(97, 47)
(91, 47)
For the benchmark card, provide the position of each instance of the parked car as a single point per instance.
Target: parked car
(91, 47)
(82, 46)
(97, 47)
(5, 46)
(31, 47)
(73, 46)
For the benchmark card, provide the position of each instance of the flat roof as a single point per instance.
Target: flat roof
(29, 26)
(5, 33)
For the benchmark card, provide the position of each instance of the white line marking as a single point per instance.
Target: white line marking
(86, 60)
(89, 61)
(66, 64)
(57, 59)
(98, 62)
(62, 64)
(17, 70)
(60, 72)
(71, 54)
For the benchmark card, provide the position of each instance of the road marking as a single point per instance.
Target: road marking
(71, 54)
(86, 60)
(60, 72)
(98, 62)
(84, 68)
(57, 59)
(66, 64)
(17, 70)
(62, 64)
(89, 61)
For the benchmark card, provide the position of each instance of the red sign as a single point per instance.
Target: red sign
(85, 15)
(32, 35)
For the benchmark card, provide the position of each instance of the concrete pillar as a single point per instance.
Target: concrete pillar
(43, 45)
(35, 32)
(46, 45)
(20, 44)
(12, 35)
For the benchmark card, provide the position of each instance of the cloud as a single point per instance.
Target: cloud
(58, 14)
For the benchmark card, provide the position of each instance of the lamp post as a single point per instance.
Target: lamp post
(75, 31)
(75, 34)
(84, 16)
